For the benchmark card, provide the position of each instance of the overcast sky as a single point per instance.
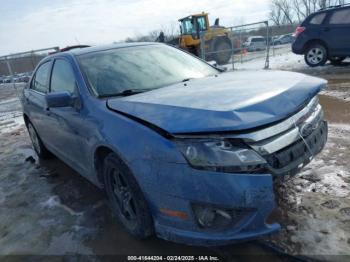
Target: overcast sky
(27, 25)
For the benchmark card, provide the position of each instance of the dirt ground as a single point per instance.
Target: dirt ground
(48, 209)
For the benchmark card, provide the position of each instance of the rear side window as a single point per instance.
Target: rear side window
(39, 82)
(318, 19)
(62, 78)
(340, 17)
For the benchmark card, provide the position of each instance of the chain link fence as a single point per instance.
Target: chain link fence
(19, 66)
(248, 42)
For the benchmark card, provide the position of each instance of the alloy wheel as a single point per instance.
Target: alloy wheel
(315, 55)
(124, 197)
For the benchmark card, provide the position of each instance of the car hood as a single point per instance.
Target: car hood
(230, 101)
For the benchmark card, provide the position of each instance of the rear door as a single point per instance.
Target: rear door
(67, 123)
(34, 100)
(338, 32)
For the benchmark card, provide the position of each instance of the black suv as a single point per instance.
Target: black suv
(324, 35)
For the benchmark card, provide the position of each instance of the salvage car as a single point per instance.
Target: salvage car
(255, 43)
(183, 150)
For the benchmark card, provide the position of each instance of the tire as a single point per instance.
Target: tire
(337, 60)
(316, 55)
(126, 198)
(37, 143)
(224, 57)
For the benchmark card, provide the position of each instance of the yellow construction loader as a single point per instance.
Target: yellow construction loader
(217, 39)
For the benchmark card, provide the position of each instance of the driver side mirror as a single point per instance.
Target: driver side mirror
(59, 99)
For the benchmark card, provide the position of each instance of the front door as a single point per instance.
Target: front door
(67, 123)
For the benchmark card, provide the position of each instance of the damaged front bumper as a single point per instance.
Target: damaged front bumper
(246, 199)
(249, 199)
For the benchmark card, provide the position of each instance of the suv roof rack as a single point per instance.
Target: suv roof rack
(334, 6)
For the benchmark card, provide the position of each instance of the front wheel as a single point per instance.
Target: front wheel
(126, 198)
(316, 55)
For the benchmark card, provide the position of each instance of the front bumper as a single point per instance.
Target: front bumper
(298, 46)
(182, 186)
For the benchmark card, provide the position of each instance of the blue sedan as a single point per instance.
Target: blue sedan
(183, 150)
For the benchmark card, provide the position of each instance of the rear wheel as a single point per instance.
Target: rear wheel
(38, 145)
(337, 60)
(126, 198)
(316, 55)
(223, 51)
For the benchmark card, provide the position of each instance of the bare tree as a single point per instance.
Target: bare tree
(290, 11)
(276, 15)
(282, 10)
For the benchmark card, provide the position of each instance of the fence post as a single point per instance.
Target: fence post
(267, 62)
(240, 45)
(202, 45)
(9, 69)
(273, 43)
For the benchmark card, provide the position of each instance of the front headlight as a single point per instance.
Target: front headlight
(220, 155)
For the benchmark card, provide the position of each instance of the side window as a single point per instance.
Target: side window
(340, 17)
(318, 19)
(62, 78)
(201, 23)
(39, 82)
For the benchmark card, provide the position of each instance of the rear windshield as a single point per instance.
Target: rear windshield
(145, 68)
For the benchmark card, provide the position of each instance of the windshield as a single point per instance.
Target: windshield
(143, 68)
(188, 28)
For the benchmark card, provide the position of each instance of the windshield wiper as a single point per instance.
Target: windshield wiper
(127, 92)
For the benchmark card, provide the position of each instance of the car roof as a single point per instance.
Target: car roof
(329, 9)
(86, 50)
(336, 7)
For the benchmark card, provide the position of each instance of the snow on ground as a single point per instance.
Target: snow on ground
(315, 204)
(282, 58)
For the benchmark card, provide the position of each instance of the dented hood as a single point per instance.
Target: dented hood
(228, 102)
